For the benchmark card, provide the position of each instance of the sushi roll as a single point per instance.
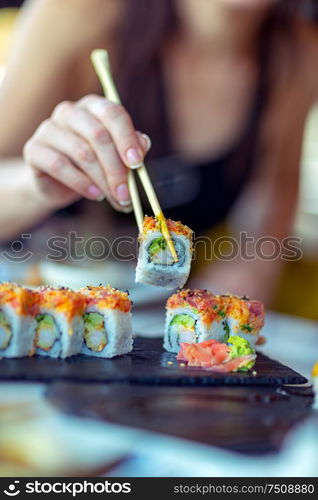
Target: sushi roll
(107, 322)
(244, 317)
(59, 330)
(156, 265)
(18, 307)
(194, 316)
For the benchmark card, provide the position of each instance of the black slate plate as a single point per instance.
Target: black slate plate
(147, 364)
(248, 419)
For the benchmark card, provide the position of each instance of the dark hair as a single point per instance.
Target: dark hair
(146, 26)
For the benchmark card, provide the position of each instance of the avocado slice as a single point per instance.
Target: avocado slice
(93, 320)
(5, 331)
(156, 246)
(45, 320)
(3, 319)
(46, 332)
(184, 320)
(94, 331)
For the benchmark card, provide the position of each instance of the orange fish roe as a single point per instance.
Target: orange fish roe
(152, 224)
(107, 297)
(23, 300)
(62, 300)
(209, 306)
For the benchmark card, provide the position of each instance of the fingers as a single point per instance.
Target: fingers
(144, 141)
(75, 148)
(93, 132)
(87, 146)
(58, 166)
(117, 121)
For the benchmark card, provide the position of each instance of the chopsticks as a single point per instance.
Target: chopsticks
(100, 61)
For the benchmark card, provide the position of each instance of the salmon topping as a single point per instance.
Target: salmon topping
(209, 306)
(106, 297)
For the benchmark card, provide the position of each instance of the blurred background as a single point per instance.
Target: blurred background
(76, 447)
(300, 276)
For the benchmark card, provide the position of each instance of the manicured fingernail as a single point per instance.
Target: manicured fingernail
(101, 198)
(148, 141)
(134, 158)
(94, 192)
(123, 195)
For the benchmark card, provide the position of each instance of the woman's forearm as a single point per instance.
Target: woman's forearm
(22, 205)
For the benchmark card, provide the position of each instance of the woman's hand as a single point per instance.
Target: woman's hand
(83, 150)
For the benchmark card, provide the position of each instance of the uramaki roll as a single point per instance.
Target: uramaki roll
(197, 315)
(156, 265)
(194, 316)
(59, 330)
(18, 307)
(245, 317)
(107, 322)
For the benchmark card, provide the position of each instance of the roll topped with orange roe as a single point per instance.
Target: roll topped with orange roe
(197, 315)
(245, 317)
(176, 227)
(107, 297)
(107, 322)
(208, 305)
(59, 328)
(194, 316)
(18, 308)
(156, 265)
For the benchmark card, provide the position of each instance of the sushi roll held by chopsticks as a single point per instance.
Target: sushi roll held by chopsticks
(59, 330)
(194, 316)
(107, 322)
(18, 306)
(156, 265)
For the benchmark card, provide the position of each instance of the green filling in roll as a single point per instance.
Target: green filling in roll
(183, 328)
(46, 333)
(94, 331)
(5, 331)
(184, 320)
(156, 246)
(159, 253)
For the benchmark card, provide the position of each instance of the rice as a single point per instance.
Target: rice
(156, 265)
(59, 331)
(107, 322)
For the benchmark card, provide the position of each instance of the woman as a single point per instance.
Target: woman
(223, 89)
